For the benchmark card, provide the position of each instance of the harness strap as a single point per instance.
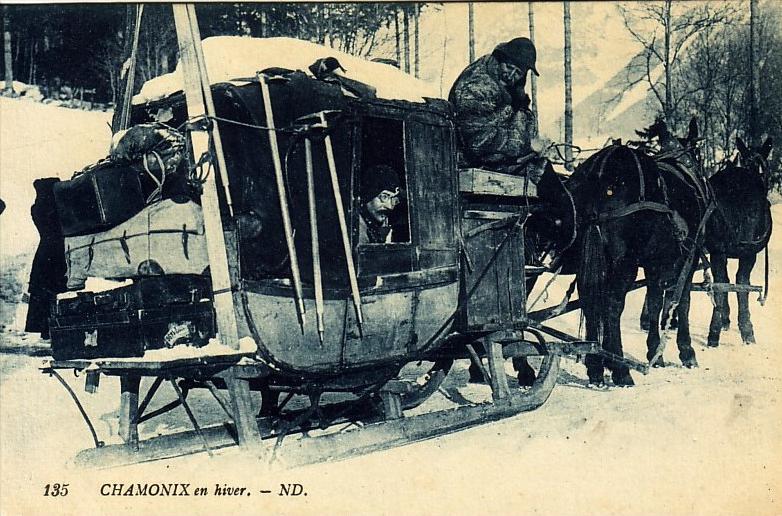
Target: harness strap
(679, 172)
(632, 208)
(641, 185)
(605, 160)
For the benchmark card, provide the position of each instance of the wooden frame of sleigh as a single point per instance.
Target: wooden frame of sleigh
(302, 309)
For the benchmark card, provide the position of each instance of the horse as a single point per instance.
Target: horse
(739, 228)
(679, 165)
(625, 221)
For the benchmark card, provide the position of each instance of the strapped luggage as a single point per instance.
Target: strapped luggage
(154, 312)
(145, 165)
(164, 238)
(99, 198)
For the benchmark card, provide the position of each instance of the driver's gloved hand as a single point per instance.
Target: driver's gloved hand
(520, 101)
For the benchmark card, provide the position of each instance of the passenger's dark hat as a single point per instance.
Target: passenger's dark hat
(378, 178)
(518, 51)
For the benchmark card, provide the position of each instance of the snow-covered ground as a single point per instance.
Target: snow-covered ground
(704, 441)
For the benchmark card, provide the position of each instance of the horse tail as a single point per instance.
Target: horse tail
(592, 278)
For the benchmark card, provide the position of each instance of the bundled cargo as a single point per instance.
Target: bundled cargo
(154, 312)
(164, 238)
(144, 166)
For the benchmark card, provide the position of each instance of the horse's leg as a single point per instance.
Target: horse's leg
(594, 362)
(524, 372)
(742, 278)
(612, 340)
(674, 323)
(654, 296)
(719, 314)
(645, 324)
(683, 339)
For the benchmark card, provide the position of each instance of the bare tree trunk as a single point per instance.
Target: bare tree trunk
(406, 36)
(9, 68)
(534, 86)
(415, 35)
(398, 44)
(568, 89)
(471, 30)
(754, 81)
(668, 108)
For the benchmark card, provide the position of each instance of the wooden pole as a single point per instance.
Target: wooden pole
(316, 272)
(343, 226)
(210, 111)
(215, 240)
(195, 77)
(130, 76)
(286, 216)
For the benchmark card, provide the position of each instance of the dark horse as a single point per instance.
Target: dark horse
(626, 220)
(739, 228)
(679, 165)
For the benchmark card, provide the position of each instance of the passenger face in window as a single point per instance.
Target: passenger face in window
(381, 193)
(380, 206)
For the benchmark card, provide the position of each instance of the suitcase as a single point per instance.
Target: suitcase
(166, 237)
(99, 198)
(154, 312)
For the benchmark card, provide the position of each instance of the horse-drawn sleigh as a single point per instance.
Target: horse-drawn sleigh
(274, 165)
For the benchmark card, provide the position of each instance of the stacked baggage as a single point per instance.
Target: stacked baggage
(152, 313)
(132, 216)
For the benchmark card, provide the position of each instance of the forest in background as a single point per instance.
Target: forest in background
(697, 58)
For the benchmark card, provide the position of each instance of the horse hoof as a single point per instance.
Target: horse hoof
(713, 343)
(596, 379)
(526, 378)
(476, 375)
(476, 379)
(726, 326)
(599, 385)
(749, 340)
(690, 363)
(622, 379)
(659, 363)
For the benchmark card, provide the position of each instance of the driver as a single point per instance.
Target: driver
(493, 119)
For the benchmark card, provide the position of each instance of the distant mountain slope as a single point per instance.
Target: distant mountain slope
(614, 110)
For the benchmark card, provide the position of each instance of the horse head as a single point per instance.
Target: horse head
(755, 158)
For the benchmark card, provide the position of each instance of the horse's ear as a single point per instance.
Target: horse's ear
(692, 133)
(765, 149)
(742, 147)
